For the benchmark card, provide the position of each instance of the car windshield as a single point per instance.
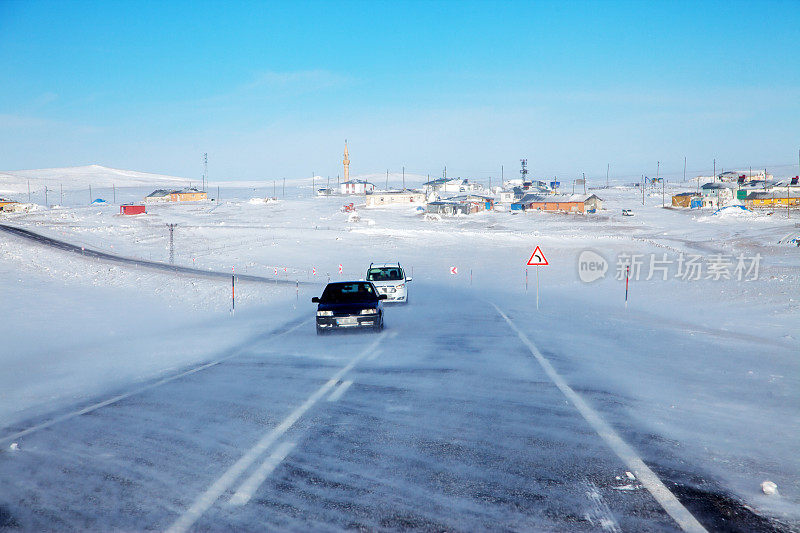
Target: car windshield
(338, 293)
(385, 274)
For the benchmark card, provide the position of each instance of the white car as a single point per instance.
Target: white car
(390, 279)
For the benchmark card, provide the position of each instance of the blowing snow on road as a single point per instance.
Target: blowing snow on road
(472, 409)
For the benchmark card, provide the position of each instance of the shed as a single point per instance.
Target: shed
(132, 209)
(687, 199)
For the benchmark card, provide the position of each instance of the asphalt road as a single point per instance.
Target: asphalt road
(446, 421)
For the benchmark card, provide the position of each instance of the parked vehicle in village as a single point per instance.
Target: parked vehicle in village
(627, 212)
(349, 304)
(390, 280)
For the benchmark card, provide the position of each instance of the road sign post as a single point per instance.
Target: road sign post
(537, 259)
(627, 276)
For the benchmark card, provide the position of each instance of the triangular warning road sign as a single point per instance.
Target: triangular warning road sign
(537, 258)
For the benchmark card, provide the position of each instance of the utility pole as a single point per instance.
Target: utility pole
(205, 170)
(584, 182)
(217, 194)
(387, 179)
(45, 195)
(171, 243)
(29, 191)
(608, 167)
(714, 177)
(643, 185)
(663, 193)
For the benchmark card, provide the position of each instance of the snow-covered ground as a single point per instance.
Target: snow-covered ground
(712, 365)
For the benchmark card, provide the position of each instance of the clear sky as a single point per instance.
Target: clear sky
(272, 89)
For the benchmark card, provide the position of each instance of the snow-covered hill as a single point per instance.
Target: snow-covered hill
(16, 181)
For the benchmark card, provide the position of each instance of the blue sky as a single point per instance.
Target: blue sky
(273, 89)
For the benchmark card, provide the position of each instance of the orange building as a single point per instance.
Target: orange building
(567, 203)
(188, 195)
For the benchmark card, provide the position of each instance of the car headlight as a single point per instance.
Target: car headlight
(324, 313)
(372, 311)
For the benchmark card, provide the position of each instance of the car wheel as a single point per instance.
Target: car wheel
(321, 331)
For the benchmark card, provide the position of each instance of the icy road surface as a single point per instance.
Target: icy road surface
(421, 427)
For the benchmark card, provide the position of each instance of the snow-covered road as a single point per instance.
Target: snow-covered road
(446, 421)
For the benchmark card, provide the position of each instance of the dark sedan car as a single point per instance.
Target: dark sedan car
(349, 304)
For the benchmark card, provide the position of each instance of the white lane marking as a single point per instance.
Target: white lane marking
(115, 399)
(212, 494)
(374, 354)
(249, 487)
(335, 395)
(647, 477)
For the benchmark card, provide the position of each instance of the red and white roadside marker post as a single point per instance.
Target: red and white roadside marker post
(233, 291)
(627, 276)
(537, 259)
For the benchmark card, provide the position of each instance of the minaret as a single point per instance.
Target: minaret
(346, 162)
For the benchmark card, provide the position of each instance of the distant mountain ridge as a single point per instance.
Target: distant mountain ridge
(16, 181)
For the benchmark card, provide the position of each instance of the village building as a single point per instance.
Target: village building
(182, 195)
(159, 195)
(716, 195)
(461, 205)
(773, 198)
(567, 203)
(791, 183)
(405, 197)
(188, 195)
(507, 197)
(7, 205)
(691, 200)
(482, 203)
(451, 185)
(351, 187)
